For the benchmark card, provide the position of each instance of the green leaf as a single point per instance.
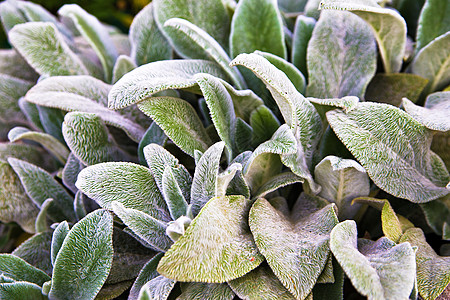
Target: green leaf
(89, 139)
(11, 89)
(257, 25)
(332, 291)
(323, 105)
(41, 224)
(378, 270)
(55, 147)
(130, 184)
(434, 20)
(439, 145)
(204, 183)
(228, 250)
(296, 249)
(79, 204)
(211, 49)
(21, 291)
(224, 179)
(214, 20)
(157, 288)
(96, 35)
(39, 43)
(391, 88)
(33, 178)
(70, 172)
(14, 202)
(433, 63)
(36, 251)
(342, 50)
(147, 42)
(31, 112)
(86, 94)
(432, 269)
(302, 34)
(276, 182)
(264, 124)
(51, 120)
(390, 139)
(435, 114)
(176, 203)
(244, 101)
(159, 76)
(261, 283)
(237, 185)
(153, 135)
(10, 15)
(123, 65)
(196, 290)
(14, 65)
(19, 270)
(179, 121)
(59, 235)
(149, 229)
(84, 260)
(30, 153)
(342, 180)
(388, 26)
(437, 213)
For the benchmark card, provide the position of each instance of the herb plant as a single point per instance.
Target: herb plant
(223, 150)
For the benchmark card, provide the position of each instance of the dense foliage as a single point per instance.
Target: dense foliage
(253, 150)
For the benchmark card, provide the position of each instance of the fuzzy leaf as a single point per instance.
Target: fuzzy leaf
(211, 49)
(244, 101)
(204, 183)
(70, 172)
(276, 182)
(224, 178)
(261, 283)
(179, 121)
(432, 270)
(147, 273)
(215, 21)
(59, 235)
(237, 185)
(433, 62)
(159, 76)
(10, 15)
(437, 214)
(434, 20)
(123, 65)
(378, 270)
(147, 42)
(40, 43)
(302, 34)
(33, 178)
(51, 120)
(19, 270)
(55, 147)
(390, 139)
(145, 226)
(41, 224)
(36, 251)
(158, 288)
(228, 250)
(95, 33)
(84, 260)
(11, 89)
(153, 135)
(302, 243)
(342, 180)
(342, 50)
(196, 290)
(133, 186)
(435, 114)
(264, 124)
(86, 94)
(257, 25)
(388, 26)
(89, 139)
(173, 194)
(21, 291)
(14, 202)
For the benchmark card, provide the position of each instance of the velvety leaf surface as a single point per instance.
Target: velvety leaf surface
(435, 114)
(261, 283)
(11, 89)
(21, 291)
(153, 135)
(84, 260)
(228, 250)
(14, 65)
(214, 20)
(176, 203)
(70, 172)
(147, 42)
(158, 76)
(86, 94)
(244, 101)
(33, 178)
(95, 33)
(433, 62)
(296, 249)
(58, 237)
(257, 25)
(301, 36)
(434, 21)
(123, 65)
(276, 182)
(40, 43)
(19, 270)
(204, 183)
(437, 213)
(36, 251)
(342, 180)
(179, 121)
(432, 269)
(158, 288)
(341, 56)
(378, 270)
(323, 105)
(14, 202)
(89, 139)
(41, 224)
(388, 26)
(390, 139)
(195, 290)
(130, 184)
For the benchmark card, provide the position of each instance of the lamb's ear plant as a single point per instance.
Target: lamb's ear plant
(254, 150)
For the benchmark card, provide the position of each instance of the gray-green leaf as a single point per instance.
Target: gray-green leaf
(19, 270)
(196, 290)
(21, 291)
(434, 21)
(59, 235)
(123, 65)
(302, 34)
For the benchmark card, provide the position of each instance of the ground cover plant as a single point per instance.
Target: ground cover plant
(226, 150)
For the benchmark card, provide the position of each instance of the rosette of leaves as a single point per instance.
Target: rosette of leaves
(235, 131)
